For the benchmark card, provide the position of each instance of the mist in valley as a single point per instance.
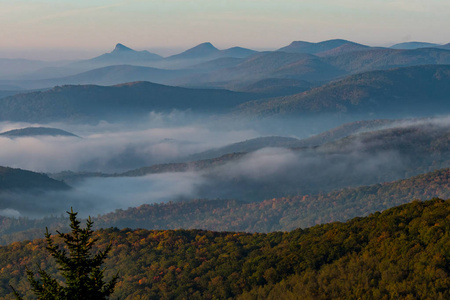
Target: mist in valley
(110, 148)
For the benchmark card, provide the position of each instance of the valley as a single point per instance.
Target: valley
(318, 169)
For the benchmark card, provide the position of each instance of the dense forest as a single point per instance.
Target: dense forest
(285, 213)
(402, 252)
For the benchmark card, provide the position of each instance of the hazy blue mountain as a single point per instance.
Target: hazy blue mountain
(199, 51)
(271, 65)
(348, 129)
(414, 45)
(36, 131)
(248, 146)
(398, 92)
(123, 73)
(94, 103)
(6, 88)
(52, 72)
(340, 46)
(123, 55)
(13, 68)
(6, 93)
(313, 68)
(446, 46)
(237, 52)
(206, 66)
(274, 87)
(289, 142)
(216, 64)
(383, 58)
(35, 70)
(109, 75)
(208, 51)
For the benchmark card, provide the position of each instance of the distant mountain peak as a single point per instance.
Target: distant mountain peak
(203, 47)
(201, 50)
(120, 47)
(206, 45)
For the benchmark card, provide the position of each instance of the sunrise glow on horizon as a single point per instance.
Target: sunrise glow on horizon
(83, 28)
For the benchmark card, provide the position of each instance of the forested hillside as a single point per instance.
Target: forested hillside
(12, 179)
(92, 102)
(400, 253)
(284, 213)
(377, 92)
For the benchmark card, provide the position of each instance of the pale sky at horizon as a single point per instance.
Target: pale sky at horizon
(62, 29)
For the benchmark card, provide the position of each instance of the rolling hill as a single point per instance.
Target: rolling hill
(414, 45)
(94, 103)
(335, 47)
(336, 63)
(285, 213)
(273, 87)
(267, 65)
(384, 58)
(289, 142)
(412, 90)
(12, 180)
(281, 214)
(108, 75)
(36, 131)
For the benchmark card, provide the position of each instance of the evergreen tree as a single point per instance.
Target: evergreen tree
(81, 270)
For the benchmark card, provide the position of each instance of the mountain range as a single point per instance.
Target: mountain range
(411, 90)
(330, 47)
(206, 66)
(401, 92)
(208, 51)
(301, 216)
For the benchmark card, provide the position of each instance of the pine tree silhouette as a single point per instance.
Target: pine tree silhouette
(81, 270)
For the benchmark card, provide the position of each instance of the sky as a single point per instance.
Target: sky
(67, 29)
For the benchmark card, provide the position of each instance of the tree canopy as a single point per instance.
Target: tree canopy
(78, 266)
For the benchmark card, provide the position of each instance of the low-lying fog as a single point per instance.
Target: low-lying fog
(117, 147)
(110, 148)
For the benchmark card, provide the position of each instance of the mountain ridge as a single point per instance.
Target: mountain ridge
(88, 102)
(376, 92)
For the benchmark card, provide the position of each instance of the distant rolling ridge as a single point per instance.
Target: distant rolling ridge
(91, 102)
(413, 90)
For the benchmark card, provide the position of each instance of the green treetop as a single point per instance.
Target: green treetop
(81, 270)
